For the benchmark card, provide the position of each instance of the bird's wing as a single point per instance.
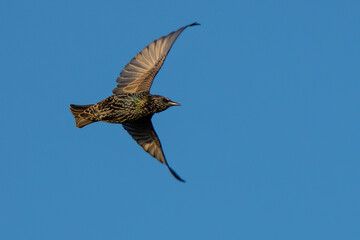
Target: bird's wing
(140, 72)
(142, 131)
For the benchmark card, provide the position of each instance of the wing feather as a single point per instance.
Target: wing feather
(140, 72)
(143, 132)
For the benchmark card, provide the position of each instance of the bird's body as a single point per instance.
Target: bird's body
(125, 108)
(132, 105)
(122, 108)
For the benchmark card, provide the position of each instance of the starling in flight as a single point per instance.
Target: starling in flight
(132, 105)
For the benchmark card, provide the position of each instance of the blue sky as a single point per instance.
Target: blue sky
(267, 136)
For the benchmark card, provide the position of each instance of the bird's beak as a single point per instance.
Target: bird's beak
(174, 104)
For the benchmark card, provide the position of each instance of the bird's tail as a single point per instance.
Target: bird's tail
(81, 119)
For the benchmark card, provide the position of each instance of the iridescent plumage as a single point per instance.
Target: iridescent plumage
(132, 105)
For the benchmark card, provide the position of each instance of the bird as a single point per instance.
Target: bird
(131, 104)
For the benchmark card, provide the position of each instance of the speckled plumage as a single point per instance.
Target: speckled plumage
(132, 105)
(121, 108)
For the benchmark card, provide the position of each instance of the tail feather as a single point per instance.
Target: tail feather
(80, 120)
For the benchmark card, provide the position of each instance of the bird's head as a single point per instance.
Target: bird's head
(162, 103)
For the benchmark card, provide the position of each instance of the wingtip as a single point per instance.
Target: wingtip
(176, 175)
(194, 24)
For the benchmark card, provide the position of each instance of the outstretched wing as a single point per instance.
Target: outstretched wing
(142, 131)
(140, 72)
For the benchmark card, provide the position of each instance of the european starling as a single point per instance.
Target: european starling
(132, 105)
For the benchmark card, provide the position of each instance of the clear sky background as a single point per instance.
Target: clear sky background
(267, 136)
